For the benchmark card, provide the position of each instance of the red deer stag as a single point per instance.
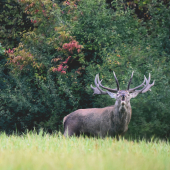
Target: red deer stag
(112, 120)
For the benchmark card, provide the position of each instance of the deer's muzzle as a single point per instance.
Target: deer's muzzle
(123, 100)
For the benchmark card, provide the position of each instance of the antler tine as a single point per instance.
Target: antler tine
(147, 83)
(133, 89)
(109, 89)
(130, 80)
(147, 86)
(116, 81)
(97, 89)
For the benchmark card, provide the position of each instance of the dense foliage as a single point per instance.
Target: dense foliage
(49, 73)
(13, 23)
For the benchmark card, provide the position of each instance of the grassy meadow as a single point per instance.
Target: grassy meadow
(36, 151)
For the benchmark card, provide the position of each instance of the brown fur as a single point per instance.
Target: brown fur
(111, 121)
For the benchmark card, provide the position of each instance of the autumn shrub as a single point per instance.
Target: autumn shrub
(44, 85)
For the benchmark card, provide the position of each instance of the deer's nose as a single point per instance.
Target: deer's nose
(123, 97)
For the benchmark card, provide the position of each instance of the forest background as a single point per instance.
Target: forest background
(51, 51)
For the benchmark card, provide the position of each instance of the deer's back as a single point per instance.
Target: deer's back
(94, 121)
(96, 112)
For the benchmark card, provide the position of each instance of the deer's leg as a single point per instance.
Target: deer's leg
(117, 137)
(71, 128)
(68, 132)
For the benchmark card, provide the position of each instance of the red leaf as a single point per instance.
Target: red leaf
(60, 67)
(63, 72)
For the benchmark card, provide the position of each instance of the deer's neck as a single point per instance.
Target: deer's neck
(122, 116)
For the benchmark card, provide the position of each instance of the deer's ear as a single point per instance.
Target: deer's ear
(112, 95)
(134, 94)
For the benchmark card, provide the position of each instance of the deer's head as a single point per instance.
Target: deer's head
(122, 96)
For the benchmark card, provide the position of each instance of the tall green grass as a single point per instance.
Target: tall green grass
(36, 151)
